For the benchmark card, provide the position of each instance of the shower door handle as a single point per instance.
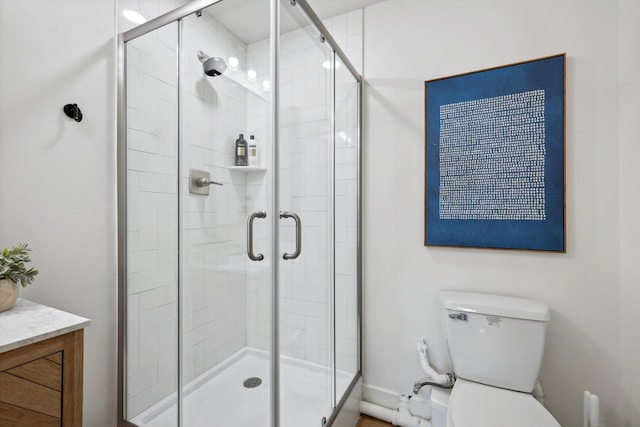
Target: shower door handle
(252, 256)
(296, 218)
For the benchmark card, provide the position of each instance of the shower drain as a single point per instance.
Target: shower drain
(252, 382)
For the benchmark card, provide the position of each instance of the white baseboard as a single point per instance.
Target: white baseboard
(380, 396)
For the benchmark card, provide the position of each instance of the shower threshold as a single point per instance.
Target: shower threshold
(218, 397)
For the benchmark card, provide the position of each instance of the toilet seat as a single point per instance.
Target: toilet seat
(479, 405)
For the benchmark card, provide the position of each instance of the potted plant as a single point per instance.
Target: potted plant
(13, 271)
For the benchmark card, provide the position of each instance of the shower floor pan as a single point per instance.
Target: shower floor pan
(219, 397)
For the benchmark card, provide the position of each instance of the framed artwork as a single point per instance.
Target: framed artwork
(494, 143)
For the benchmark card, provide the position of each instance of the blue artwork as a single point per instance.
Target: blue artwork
(495, 157)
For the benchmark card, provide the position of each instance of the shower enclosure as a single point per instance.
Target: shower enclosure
(239, 286)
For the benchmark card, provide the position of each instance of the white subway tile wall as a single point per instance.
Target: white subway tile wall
(227, 298)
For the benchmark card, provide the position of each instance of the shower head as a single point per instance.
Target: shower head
(213, 66)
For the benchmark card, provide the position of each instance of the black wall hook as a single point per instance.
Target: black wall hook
(72, 111)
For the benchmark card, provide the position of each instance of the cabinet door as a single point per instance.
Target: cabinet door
(41, 383)
(31, 393)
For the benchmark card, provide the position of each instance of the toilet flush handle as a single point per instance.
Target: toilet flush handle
(458, 316)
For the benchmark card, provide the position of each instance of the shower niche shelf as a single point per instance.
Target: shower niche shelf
(247, 169)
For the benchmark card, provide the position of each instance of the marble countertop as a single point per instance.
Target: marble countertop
(29, 322)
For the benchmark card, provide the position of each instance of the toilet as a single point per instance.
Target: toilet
(496, 344)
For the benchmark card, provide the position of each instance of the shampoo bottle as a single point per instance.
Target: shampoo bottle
(241, 151)
(253, 151)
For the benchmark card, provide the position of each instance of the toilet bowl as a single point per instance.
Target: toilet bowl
(478, 405)
(496, 345)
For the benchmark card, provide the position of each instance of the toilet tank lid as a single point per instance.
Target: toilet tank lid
(498, 305)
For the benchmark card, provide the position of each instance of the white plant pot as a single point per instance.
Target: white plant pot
(8, 294)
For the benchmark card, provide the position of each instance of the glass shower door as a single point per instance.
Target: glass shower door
(346, 227)
(226, 296)
(152, 228)
(306, 223)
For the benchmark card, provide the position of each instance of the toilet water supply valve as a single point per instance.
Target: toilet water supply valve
(436, 379)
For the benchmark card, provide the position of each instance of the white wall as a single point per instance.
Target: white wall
(407, 42)
(57, 177)
(630, 209)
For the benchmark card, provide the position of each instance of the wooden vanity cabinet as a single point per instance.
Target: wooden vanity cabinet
(41, 383)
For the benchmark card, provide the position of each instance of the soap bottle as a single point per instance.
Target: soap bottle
(253, 151)
(241, 151)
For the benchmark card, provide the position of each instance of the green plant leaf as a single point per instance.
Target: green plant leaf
(12, 265)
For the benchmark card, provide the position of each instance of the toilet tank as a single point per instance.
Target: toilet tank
(494, 339)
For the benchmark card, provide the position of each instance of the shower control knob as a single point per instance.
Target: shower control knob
(204, 182)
